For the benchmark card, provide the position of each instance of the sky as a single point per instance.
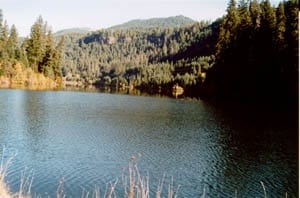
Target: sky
(97, 14)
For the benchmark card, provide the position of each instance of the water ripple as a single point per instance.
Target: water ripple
(88, 139)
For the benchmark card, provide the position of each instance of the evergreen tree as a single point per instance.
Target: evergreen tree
(292, 32)
(255, 13)
(244, 33)
(4, 31)
(291, 69)
(36, 45)
(228, 30)
(57, 57)
(48, 60)
(280, 28)
(12, 46)
(268, 24)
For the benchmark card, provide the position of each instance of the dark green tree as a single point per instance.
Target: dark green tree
(57, 57)
(255, 12)
(280, 28)
(228, 30)
(36, 45)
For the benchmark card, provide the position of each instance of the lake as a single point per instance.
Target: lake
(89, 138)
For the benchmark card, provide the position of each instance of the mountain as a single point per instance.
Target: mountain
(175, 21)
(83, 30)
(145, 58)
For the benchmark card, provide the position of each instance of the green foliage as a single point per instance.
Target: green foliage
(229, 28)
(250, 53)
(39, 51)
(170, 22)
(36, 44)
(43, 54)
(257, 52)
(148, 58)
(72, 31)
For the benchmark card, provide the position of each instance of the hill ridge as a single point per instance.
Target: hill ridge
(172, 21)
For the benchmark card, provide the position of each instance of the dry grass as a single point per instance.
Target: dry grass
(4, 164)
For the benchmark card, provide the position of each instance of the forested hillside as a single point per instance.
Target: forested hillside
(169, 22)
(154, 58)
(72, 31)
(257, 53)
(251, 53)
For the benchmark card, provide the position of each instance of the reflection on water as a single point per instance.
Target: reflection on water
(88, 138)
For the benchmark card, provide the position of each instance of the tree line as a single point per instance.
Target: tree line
(250, 53)
(257, 52)
(39, 51)
(150, 58)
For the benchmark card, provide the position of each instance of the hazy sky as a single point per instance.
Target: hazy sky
(97, 14)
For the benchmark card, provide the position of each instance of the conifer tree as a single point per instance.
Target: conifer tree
(36, 45)
(228, 30)
(268, 22)
(4, 33)
(255, 13)
(57, 57)
(12, 46)
(48, 62)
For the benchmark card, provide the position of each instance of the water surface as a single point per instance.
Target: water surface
(88, 139)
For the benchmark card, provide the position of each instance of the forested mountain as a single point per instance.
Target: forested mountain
(250, 54)
(72, 31)
(149, 58)
(169, 22)
(257, 53)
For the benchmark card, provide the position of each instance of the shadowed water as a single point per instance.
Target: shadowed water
(88, 138)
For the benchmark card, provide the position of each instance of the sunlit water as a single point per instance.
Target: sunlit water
(88, 139)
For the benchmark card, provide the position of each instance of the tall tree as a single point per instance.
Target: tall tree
(292, 31)
(36, 44)
(228, 30)
(4, 32)
(291, 74)
(48, 59)
(255, 13)
(280, 28)
(57, 68)
(268, 22)
(244, 32)
(13, 44)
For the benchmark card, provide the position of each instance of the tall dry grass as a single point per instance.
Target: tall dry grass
(4, 164)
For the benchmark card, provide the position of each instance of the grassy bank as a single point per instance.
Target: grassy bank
(24, 77)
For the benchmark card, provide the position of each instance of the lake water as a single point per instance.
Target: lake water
(88, 139)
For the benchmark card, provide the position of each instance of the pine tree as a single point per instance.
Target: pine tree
(292, 31)
(48, 59)
(255, 13)
(228, 30)
(4, 31)
(57, 69)
(268, 22)
(244, 33)
(13, 44)
(36, 45)
(244, 14)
